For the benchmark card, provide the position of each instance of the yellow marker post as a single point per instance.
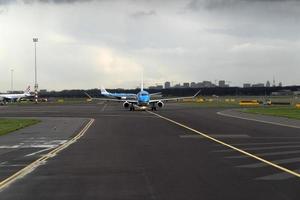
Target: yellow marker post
(249, 103)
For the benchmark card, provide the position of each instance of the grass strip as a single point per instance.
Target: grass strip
(10, 125)
(288, 112)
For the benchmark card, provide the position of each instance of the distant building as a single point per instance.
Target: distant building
(15, 92)
(158, 87)
(186, 85)
(268, 84)
(208, 84)
(167, 85)
(43, 91)
(258, 85)
(199, 85)
(177, 85)
(246, 85)
(280, 84)
(222, 83)
(193, 85)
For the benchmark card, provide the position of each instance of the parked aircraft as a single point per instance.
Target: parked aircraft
(15, 97)
(117, 95)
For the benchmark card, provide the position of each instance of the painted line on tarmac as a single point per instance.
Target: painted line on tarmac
(29, 168)
(262, 148)
(103, 108)
(278, 176)
(230, 146)
(263, 143)
(282, 161)
(278, 153)
(37, 152)
(257, 120)
(215, 136)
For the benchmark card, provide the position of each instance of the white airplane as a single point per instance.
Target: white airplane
(117, 95)
(143, 101)
(15, 97)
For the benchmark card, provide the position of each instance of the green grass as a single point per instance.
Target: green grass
(212, 104)
(289, 112)
(10, 125)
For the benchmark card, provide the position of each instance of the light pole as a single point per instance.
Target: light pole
(35, 40)
(11, 80)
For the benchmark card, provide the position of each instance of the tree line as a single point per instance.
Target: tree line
(218, 91)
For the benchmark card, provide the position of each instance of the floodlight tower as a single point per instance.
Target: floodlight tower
(11, 80)
(35, 40)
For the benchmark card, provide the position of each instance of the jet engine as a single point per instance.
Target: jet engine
(126, 104)
(160, 104)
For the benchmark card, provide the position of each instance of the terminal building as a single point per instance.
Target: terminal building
(258, 85)
(186, 85)
(246, 85)
(167, 85)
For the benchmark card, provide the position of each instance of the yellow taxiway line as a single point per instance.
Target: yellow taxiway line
(29, 168)
(230, 146)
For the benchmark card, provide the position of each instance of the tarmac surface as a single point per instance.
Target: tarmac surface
(139, 155)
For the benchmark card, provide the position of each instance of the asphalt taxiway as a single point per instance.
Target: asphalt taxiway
(183, 152)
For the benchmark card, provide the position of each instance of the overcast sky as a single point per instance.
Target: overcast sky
(86, 43)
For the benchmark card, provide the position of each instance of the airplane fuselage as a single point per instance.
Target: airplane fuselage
(14, 96)
(143, 98)
(119, 95)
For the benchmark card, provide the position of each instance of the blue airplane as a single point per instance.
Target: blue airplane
(143, 100)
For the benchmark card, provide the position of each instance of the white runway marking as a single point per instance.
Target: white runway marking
(264, 143)
(262, 148)
(282, 161)
(12, 165)
(35, 144)
(278, 176)
(37, 152)
(29, 168)
(216, 136)
(104, 107)
(9, 147)
(270, 154)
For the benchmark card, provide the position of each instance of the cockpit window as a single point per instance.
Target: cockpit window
(144, 94)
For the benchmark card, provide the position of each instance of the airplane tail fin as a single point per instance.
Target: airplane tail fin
(27, 91)
(88, 95)
(142, 83)
(103, 90)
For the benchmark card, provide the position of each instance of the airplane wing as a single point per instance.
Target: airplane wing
(175, 98)
(5, 97)
(109, 99)
(157, 93)
(129, 94)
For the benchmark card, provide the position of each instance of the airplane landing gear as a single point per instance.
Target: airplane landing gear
(131, 108)
(153, 108)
